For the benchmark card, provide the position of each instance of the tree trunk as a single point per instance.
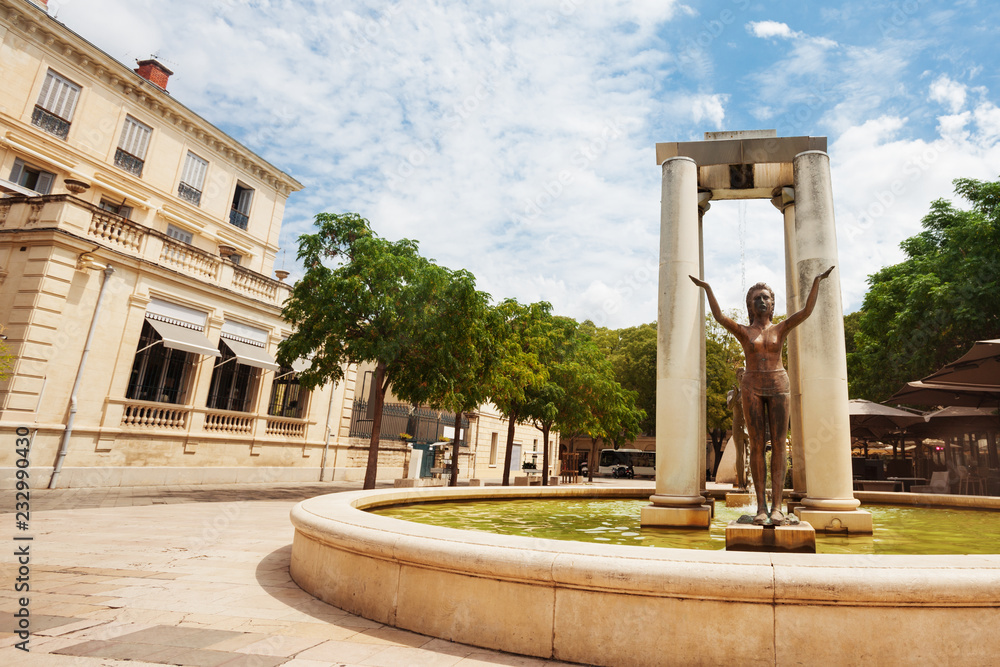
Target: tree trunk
(379, 386)
(545, 454)
(593, 459)
(512, 420)
(718, 437)
(454, 450)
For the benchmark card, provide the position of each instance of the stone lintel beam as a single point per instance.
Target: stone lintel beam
(740, 151)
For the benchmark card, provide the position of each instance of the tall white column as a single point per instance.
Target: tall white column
(784, 201)
(680, 332)
(703, 206)
(829, 503)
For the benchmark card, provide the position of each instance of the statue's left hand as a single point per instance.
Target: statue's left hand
(825, 273)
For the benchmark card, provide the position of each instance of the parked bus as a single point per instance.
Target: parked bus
(643, 463)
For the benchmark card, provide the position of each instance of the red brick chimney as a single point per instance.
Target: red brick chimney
(153, 71)
(44, 4)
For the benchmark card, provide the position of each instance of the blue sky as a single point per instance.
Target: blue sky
(516, 139)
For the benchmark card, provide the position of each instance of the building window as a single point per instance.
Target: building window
(239, 216)
(26, 176)
(56, 104)
(288, 398)
(116, 208)
(179, 234)
(493, 449)
(192, 179)
(159, 373)
(131, 153)
(233, 384)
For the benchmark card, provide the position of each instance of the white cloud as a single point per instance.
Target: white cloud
(987, 117)
(708, 109)
(950, 93)
(769, 29)
(954, 127)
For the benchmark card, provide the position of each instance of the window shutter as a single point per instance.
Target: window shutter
(135, 138)
(59, 96)
(17, 173)
(44, 184)
(243, 206)
(194, 172)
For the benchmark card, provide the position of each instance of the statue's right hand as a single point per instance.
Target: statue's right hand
(699, 283)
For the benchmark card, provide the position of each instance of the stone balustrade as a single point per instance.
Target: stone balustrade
(148, 415)
(285, 428)
(254, 284)
(116, 232)
(234, 423)
(135, 238)
(187, 258)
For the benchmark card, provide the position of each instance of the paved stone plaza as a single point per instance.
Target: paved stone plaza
(189, 576)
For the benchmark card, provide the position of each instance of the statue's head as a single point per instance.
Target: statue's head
(760, 299)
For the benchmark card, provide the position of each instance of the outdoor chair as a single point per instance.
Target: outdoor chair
(969, 482)
(939, 484)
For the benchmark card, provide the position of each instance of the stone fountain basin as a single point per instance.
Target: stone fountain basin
(624, 605)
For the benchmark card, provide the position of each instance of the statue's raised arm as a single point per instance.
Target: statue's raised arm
(795, 319)
(717, 313)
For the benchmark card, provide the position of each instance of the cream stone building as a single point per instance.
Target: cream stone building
(137, 247)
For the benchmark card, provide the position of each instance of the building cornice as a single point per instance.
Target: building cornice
(35, 25)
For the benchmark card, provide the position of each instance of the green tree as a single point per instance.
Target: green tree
(723, 355)
(574, 364)
(451, 370)
(632, 353)
(373, 304)
(928, 309)
(521, 337)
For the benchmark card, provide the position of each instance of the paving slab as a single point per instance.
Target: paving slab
(136, 579)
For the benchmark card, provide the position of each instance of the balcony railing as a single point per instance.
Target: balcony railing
(424, 424)
(139, 241)
(50, 122)
(128, 162)
(154, 416)
(254, 284)
(229, 422)
(285, 428)
(188, 193)
(182, 256)
(238, 219)
(116, 231)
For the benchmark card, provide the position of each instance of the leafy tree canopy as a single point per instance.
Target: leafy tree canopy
(930, 308)
(366, 299)
(632, 354)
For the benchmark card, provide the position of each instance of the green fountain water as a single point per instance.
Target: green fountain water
(898, 530)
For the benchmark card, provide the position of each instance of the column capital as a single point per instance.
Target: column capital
(783, 197)
(704, 199)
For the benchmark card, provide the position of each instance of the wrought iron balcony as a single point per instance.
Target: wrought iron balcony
(238, 219)
(128, 162)
(188, 193)
(50, 122)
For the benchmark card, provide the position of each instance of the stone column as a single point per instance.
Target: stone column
(678, 500)
(703, 206)
(829, 504)
(784, 201)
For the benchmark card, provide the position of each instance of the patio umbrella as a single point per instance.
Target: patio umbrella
(943, 393)
(870, 419)
(979, 366)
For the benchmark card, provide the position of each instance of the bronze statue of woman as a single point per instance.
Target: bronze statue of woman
(765, 385)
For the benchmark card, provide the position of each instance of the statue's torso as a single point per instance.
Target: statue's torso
(764, 376)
